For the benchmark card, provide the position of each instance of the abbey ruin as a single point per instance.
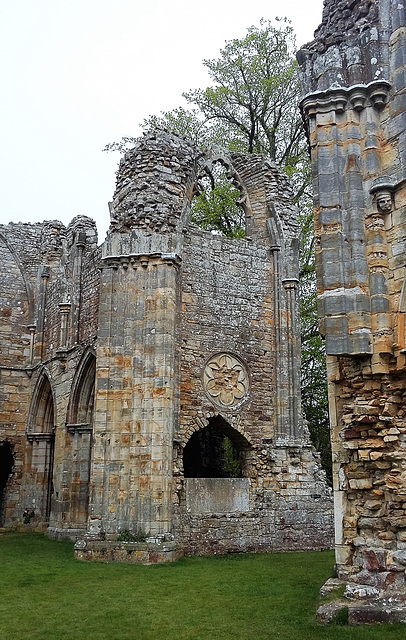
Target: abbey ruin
(129, 370)
(354, 106)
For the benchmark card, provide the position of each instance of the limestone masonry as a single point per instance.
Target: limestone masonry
(354, 107)
(150, 402)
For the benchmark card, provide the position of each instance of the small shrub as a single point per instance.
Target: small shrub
(126, 536)
(28, 516)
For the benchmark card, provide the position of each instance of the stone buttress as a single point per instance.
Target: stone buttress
(353, 80)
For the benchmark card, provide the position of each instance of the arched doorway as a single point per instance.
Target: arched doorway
(215, 464)
(41, 436)
(6, 467)
(80, 427)
(216, 451)
(81, 403)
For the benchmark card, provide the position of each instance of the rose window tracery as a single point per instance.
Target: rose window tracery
(226, 380)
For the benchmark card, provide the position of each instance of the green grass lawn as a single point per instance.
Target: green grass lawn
(46, 594)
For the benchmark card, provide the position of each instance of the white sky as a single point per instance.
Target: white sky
(77, 74)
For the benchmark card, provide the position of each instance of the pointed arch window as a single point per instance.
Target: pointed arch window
(81, 405)
(41, 435)
(41, 418)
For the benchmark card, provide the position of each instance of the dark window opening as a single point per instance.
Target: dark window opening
(6, 467)
(214, 452)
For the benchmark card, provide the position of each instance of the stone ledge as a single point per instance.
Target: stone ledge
(129, 552)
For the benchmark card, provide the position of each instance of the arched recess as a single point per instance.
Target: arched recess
(6, 467)
(27, 286)
(17, 313)
(216, 451)
(41, 436)
(80, 427)
(81, 403)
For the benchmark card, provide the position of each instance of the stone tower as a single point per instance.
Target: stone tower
(354, 108)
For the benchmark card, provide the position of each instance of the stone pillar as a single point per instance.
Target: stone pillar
(288, 414)
(353, 83)
(43, 275)
(293, 353)
(136, 400)
(77, 285)
(64, 308)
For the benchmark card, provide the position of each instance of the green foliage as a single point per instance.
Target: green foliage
(341, 617)
(126, 536)
(28, 515)
(250, 106)
(313, 365)
(217, 209)
(231, 458)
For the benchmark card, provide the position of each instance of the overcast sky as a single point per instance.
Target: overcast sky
(77, 74)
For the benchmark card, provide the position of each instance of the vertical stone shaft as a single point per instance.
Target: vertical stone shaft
(42, 294)
(135, 397)
(77, 287)
(65, 310)
(290, 287)
(353, 78)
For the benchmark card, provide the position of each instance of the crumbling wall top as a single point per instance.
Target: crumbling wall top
(351, 45)
(343, 20)
(152, 183)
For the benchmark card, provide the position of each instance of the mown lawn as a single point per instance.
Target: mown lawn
(46, 594)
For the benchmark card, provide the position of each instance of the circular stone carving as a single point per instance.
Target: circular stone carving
(226, 380)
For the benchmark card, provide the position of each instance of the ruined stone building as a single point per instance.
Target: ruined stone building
(150, 386)
(354, 106)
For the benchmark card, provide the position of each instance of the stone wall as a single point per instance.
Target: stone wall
(153, 359)
(353, 107)
(49, 288)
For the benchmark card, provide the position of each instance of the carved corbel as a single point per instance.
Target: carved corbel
(358, 99)
(382, 190)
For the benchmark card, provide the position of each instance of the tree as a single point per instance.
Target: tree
(252, 107)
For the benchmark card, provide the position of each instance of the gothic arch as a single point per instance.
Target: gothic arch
(216, 450)
(206, 166)
(81, 403)
(41, 436)
(41, 415)
(79, 422)
(233, 422)
(27, 286)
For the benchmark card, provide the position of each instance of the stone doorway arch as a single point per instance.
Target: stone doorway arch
(6, 467)
(41, 436)
(215, 451)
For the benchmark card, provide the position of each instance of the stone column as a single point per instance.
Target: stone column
(77, 285)
(293, 358)
(135, 398)
(354, 84)
(44, 274)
